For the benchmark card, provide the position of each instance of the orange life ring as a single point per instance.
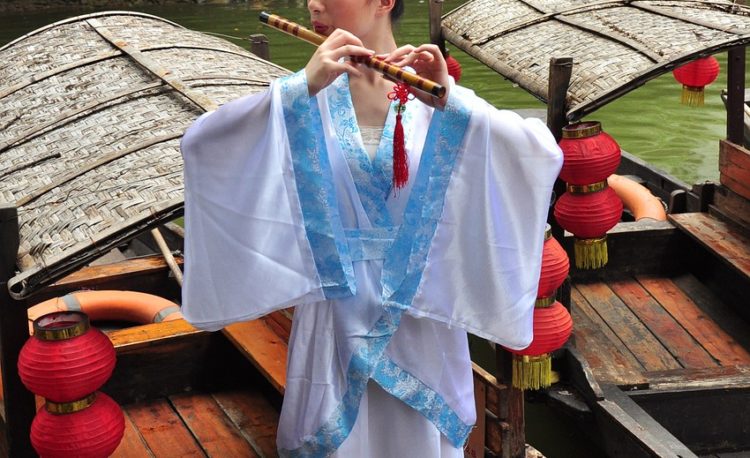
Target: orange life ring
(637, 198)
(115, 305)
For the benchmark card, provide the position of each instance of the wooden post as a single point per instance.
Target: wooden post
(14, 331)
(736, 95)
(560, 71)
(259, 46)
(436, 31)
(510, 407)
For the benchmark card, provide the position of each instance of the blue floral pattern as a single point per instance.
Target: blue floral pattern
(314, 180)
(420, 397)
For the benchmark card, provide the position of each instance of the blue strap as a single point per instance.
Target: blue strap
(368, 244)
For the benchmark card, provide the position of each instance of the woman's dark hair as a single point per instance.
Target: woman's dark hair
(397, 11)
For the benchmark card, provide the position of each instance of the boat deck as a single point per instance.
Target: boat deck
(232, 423)
(674, 338)
(634, 331)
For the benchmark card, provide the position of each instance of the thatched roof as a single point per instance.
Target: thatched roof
(92, 110)
(616, 45)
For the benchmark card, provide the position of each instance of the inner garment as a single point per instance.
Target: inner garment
(371, 139)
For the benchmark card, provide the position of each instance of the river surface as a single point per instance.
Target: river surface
(648, 122)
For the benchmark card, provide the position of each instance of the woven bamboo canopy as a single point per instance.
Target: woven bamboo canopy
(616, 45)
(92, 110)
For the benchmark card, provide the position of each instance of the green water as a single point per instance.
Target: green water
(649, 122)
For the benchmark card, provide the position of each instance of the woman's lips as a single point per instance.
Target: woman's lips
(320, 28)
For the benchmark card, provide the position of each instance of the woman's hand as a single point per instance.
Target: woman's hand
(326, 65)
(428, 62)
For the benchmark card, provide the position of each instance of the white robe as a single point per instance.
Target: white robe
(283, 207)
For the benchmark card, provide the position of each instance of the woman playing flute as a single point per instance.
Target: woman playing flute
(289, 202)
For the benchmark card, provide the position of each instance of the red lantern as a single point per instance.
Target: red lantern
(66, 359)
(532, 366)
(454, 68)
(590, 208)
(590, 154)
(555, 266)
(88, 428)
(695, 76)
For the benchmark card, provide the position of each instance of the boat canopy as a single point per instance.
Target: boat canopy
(616, 46)
(92, 110)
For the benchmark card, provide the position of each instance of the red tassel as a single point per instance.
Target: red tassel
(400, 158)
(400, 161)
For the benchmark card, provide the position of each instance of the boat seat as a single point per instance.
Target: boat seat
(718, 237)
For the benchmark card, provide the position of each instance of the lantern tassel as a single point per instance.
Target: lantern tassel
(692, 96)
(591, 253)
(532, 372)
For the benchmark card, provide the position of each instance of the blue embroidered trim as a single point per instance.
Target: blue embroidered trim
(420, 397)
(314, 181)
(361, 367)
(403, 267)
(372, 187)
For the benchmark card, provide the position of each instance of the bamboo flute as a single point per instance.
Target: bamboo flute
(392, 71)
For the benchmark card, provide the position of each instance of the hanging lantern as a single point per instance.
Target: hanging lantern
(91, 427)
(454, 68)
(66, 359)
(555, 266)
(695, 76)
(589, 208)
(532, 366)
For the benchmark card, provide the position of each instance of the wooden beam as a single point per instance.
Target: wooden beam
(166, 75)
(736, 94)
(259, 46)
(19, 402)
(436, 31)
(560, 70)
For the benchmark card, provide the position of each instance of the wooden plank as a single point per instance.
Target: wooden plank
(673, 336)
(150, 334)
(132, 444)
(726, 317)
(163, 364)
(265, 349)
(256, 419)
(605, 354)
(734, 166)
(709, 378)
(128, 274)
(216, 433)
(731, 206)
(720, 345)
(656, 436)
(731, 246)
(162, 429)
(628, 327)
(707, 419)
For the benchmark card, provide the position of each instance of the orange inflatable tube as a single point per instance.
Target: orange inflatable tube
(114, 305)
(637, 198)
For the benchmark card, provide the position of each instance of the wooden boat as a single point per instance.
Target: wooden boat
(659, 364)
(91, 113)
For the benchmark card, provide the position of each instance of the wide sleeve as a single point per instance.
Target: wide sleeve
(483, 265)
(246, 248)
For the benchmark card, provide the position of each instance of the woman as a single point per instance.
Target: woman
(289, 202)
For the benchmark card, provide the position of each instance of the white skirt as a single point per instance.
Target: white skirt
(388, 428)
